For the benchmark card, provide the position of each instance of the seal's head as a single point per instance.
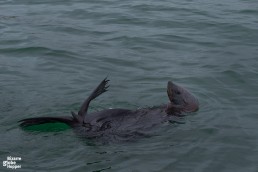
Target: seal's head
(180, 100)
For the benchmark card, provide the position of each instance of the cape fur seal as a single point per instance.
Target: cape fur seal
(122, 123)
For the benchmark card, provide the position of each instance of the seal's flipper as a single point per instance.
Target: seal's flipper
(42, 120)
(101, 88)
(76, 117)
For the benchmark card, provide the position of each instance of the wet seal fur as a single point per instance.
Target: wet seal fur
(122, 124)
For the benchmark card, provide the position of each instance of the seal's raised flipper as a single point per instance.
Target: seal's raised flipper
(42, 120)
(101, 88)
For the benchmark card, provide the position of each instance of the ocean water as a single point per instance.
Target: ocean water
(54, 53)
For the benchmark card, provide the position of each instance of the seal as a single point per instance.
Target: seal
(122, 124)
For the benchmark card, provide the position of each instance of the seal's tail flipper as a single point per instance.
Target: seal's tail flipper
(101, 88)
(42, 120)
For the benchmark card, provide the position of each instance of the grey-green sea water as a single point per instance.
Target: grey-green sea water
(54, 52)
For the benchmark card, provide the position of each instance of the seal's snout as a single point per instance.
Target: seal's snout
(170, 90)
(174, 92)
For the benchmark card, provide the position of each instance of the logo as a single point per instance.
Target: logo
(11, 162)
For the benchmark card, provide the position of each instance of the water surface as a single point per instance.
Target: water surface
(53, 53)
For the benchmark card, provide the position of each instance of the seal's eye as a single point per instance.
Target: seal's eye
(177, 92)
